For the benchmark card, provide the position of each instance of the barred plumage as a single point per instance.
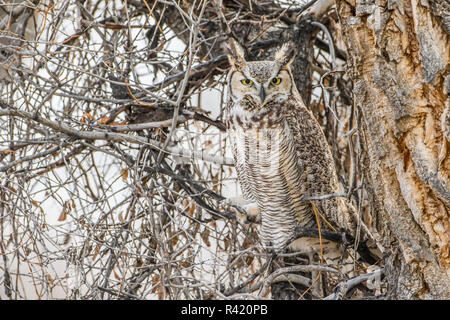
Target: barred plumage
(281, 154)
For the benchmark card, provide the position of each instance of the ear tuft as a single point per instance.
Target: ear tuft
(286, 54)
(235, 53)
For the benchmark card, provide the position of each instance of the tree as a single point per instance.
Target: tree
(115, 178)
(399, 56)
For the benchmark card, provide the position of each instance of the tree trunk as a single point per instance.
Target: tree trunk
(399, 57)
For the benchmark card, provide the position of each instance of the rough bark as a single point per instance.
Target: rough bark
(399, 61)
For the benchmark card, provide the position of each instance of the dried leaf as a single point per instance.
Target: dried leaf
(205, 237)
(118, 123)
(86, 115)
(65, 210)
(208, 145)
(8, 151)
(124, 174)
(226, 243)
(114, 26)
(66, 239)
(247, 242)
(63, 214)
(50, 280)
(103, 120)
(116, 275)
(191, 210)
(157, 286)
(249, 261)
(160, 292)
(96, 251)
(121, 219)
(138, 263)
(185, 264)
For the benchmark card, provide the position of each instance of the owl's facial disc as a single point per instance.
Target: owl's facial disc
(260, 82)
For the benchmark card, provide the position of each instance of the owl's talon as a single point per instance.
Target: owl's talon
(253, 213)
(241, 217)
(245, 214)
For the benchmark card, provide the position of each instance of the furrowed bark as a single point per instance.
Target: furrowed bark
(399, 55)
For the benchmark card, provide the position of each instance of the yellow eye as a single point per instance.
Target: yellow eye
(247, 82)
(276, 81)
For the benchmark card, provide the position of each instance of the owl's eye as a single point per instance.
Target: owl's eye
(247, 82)
(275, 81)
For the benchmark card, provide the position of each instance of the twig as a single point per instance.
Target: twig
(344, 287)
(239, 287)
(206, 67)
(308, 268)
(112, 136)
(325, 196)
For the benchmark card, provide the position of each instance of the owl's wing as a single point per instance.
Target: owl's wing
(315, 158)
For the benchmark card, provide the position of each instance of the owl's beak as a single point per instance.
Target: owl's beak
(262, 94)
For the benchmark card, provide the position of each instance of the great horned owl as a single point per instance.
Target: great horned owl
(281, 153)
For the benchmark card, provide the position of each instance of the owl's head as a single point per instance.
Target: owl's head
(258, 83)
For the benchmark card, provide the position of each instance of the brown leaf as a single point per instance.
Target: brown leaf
(185, 264)
(96, 251)
(191, 210)
(8, 151)
(65, 210)
(138, 263)
(121, 219)
(205, 236)
(86, 115)
(208, 145)
(118, 123)
(66, 239)
(50, 280)
(103, 120)
(190, 207)
(116, 275)
(114, 26)
(226, 243)
(124, 174)
(247, 242)
(63, 214)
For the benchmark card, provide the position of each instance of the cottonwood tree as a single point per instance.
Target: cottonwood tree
(115, 173)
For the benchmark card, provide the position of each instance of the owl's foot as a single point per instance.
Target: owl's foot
(252, 213)
(245, 213)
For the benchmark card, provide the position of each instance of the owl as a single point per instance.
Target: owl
(281, 154)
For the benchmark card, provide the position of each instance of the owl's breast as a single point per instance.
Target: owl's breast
(271, 174)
